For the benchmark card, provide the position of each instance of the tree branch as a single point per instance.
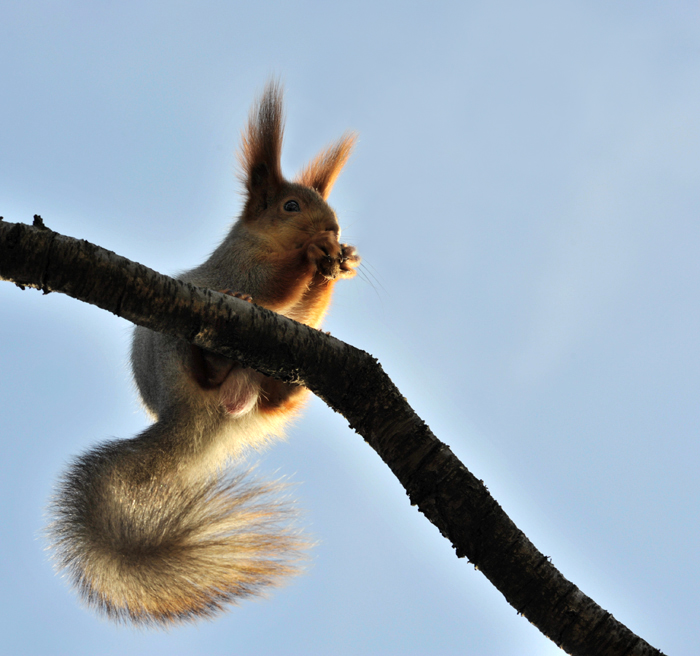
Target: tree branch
(354, 384)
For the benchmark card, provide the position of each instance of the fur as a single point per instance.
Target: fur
(158, 529)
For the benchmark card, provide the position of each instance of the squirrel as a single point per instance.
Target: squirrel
(157, 529)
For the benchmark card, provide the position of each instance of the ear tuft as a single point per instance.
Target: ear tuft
(323, 171)
(261, 142)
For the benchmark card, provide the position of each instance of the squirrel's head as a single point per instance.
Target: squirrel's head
(297, 206)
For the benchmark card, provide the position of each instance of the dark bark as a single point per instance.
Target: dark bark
(354, 384)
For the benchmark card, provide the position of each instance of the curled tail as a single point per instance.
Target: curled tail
(153, 549)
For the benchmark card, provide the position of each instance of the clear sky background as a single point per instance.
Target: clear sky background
(526, 197)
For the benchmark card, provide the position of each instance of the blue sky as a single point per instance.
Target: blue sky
(525, 194)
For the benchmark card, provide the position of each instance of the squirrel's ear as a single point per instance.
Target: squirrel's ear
(261, 142)
(322, 172)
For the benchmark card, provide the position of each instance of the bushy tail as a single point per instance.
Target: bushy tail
(153, 550)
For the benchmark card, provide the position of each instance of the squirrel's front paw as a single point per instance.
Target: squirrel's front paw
(349, 261)
(325, 254)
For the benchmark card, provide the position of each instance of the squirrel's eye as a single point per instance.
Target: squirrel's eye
(292, 206)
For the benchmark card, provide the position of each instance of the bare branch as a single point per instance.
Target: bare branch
(354, 384)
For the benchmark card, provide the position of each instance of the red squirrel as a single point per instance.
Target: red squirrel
(152, 529)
